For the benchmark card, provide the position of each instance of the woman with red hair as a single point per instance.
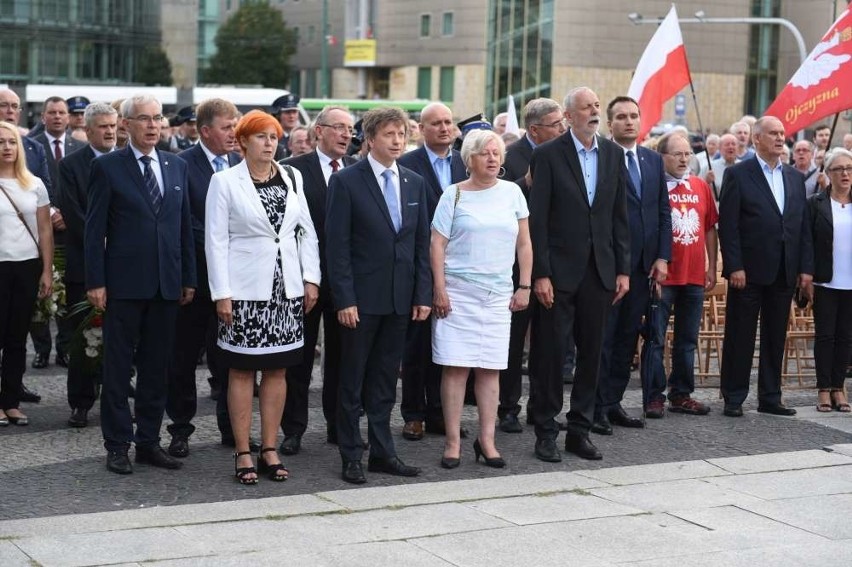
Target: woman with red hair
(263, 267)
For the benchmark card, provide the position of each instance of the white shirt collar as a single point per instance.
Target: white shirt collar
(137, 153)
(378, 168)
(210, 155)
(579, 145)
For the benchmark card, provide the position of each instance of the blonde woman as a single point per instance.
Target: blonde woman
(26, 259)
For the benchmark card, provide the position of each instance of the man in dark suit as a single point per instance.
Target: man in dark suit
(140, 264)
(440, 166)
(196, 321)
(581, 265)
(650, 251)
(57, 143)
(10, 111)
(72, 187)
(543, 121)
(766, 245)
(333, 128)
(377, 229)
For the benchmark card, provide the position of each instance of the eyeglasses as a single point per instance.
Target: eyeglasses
(146, 118)
(680, 155)
(841, 169)
(340, 128)
(7, 105)
(558, 124)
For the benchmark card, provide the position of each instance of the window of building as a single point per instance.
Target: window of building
(425, 25)
(447, 84)
(447, 24)
(310, 83)
(424, 82)
(312, 32)
(762, 69)
(13, 58)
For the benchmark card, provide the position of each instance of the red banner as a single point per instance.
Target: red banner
(823, 84)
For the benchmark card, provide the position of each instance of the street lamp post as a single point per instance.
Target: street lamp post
(700, 18)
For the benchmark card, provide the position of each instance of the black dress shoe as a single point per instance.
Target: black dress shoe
(391, 466)
(228, 441)
(179, 447)
(546, 450)
(156, 457)
(353, 472)
(61, 360)
(776, 409)
(733, 411)
(581, 446)
(602, 426)
(510, 424)
(79, 418)
(41, 361)
(28, 396)
(118, 463)
(291, 445)
(619, 417)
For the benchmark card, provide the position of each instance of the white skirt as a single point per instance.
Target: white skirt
(475, 334)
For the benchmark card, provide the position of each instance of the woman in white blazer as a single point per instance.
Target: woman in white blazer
(264, 272)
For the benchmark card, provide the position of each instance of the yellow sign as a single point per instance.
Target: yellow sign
(360, 53)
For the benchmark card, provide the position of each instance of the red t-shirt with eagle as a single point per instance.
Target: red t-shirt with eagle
(693, 214)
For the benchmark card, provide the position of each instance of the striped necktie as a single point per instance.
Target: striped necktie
(151, 184)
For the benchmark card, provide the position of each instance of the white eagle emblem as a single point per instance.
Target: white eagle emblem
(685, 225)
(819, 64)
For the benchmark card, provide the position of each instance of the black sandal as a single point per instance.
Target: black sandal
(842, 407)
(277, 472)
(825, 407)
(242, 473)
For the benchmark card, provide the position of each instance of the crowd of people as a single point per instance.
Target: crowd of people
(429, 250)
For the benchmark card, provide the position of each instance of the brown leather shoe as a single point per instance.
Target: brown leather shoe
(413, 430)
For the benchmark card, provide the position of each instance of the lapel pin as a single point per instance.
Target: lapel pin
(177, 187)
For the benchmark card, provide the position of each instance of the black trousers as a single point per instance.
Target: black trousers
(619, 346)
(578, 317)
(421, 378)
(81, 383)
(833, 340)
(195, 328)
(511, 379)
(772, 303)
(40, 332)
(295, 418)
(18, 292)
(371, 355)
(150, 325)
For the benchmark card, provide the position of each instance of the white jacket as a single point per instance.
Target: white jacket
(242, 247)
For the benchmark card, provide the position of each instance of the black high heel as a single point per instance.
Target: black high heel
(277, 472)
(450, 462)
(495, 462)
(242, 472)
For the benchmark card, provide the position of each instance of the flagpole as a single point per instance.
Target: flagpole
(830, 137)
(703, 137)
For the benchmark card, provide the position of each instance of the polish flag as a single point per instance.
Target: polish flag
(823, 84)
(512, 117)
(661, 73)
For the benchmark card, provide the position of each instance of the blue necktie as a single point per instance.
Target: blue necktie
(390, 199)
(151, 184)
(633, 170)
(219, 161)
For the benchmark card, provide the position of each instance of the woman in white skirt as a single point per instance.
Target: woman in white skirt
(478, 227)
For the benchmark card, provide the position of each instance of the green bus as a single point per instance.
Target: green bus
(359, 106)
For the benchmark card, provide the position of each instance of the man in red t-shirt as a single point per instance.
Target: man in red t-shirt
(692, 270)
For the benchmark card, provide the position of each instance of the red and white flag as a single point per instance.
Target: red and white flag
(661, 73)
(823, 84)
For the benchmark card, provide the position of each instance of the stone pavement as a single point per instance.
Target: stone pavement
(777, 509)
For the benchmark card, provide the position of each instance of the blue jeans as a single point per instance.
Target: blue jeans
(687, 301)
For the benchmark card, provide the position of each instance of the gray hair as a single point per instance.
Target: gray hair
(322, 117)
(96, 109)
(538, 108)
(761, 122)
(128, 106)
(714, 138)
(834, 154)
(475, 141)
(568, 103)
(810, 145)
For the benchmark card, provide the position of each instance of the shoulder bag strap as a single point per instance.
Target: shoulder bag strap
(20, 215)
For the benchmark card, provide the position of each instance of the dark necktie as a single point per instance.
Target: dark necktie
(335, 165)
(57, 150)
(151, 184)
(633, 170)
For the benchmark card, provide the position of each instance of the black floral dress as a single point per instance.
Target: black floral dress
(266, 335)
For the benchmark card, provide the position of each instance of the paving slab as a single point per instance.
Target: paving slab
(12, 556)
(783, 556)
(839, 423)
(790, 484)
(110, 547)
(823, 515)
(673, 495)
(656, 472)
(523, 546)
(525, 510)
(168, 516)
(780, 461)
(842, 448)
(459, 490)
